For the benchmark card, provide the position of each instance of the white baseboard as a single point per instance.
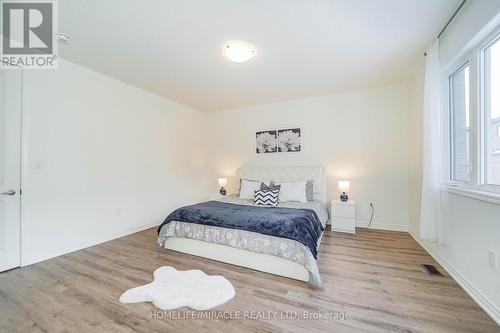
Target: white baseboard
(25, 261)
(382, 226)
(491, 309)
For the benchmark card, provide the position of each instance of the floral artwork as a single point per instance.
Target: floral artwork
(266, 142)
(285, 140)
(289, 140)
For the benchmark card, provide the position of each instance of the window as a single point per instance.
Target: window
(491, 95)
(460, 124)
(472, 96)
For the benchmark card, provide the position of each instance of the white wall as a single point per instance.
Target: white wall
(102, 159)
(473, 17)
(361, 136)
(470, 227)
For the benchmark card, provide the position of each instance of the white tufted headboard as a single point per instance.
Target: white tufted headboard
(288, 174)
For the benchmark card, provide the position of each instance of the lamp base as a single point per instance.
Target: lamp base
(222, 191)
(344, 197)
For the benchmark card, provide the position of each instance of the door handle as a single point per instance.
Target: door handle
(10, 192)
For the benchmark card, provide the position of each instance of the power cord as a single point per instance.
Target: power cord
(371, 217)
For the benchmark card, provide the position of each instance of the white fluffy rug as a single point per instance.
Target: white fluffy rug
(173, 289)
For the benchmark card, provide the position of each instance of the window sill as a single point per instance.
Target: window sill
(490, 197)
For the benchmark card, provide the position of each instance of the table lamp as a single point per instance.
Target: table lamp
(222, 184)
(344, 187)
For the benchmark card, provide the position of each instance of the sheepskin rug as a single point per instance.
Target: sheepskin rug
(172, 289)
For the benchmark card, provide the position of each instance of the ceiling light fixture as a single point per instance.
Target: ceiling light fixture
(63, 39)
(238, 51)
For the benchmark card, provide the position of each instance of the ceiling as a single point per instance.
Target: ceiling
(305, 48)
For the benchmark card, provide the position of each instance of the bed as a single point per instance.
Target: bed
(259, 251)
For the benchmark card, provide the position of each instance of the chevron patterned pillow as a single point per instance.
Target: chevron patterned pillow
(266, 198)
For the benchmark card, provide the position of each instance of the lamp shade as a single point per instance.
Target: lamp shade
(344, 186)
(222, 182)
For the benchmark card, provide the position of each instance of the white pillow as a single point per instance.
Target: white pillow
(295, 191)
(248, 188)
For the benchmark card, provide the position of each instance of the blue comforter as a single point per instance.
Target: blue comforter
(301, 225)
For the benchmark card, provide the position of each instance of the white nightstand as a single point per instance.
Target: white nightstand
(343, 216)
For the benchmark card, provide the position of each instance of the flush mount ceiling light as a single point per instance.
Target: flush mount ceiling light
(238, 51)
(63, 38)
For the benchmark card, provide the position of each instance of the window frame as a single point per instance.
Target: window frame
(451, 119)
(477, 187)
(484, 95)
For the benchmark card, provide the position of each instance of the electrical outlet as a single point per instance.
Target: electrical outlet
(37, 165)
(492, 259)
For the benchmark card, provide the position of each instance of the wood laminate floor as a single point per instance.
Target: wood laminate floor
(375, 277)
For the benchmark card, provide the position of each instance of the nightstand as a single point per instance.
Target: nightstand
(343, 216)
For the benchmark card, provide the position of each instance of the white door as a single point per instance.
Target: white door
(10, 172)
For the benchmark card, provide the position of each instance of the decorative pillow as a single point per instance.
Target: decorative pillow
(248, 187)
(266, 198)
(295, 191)
(271, 187)
(310, 190)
